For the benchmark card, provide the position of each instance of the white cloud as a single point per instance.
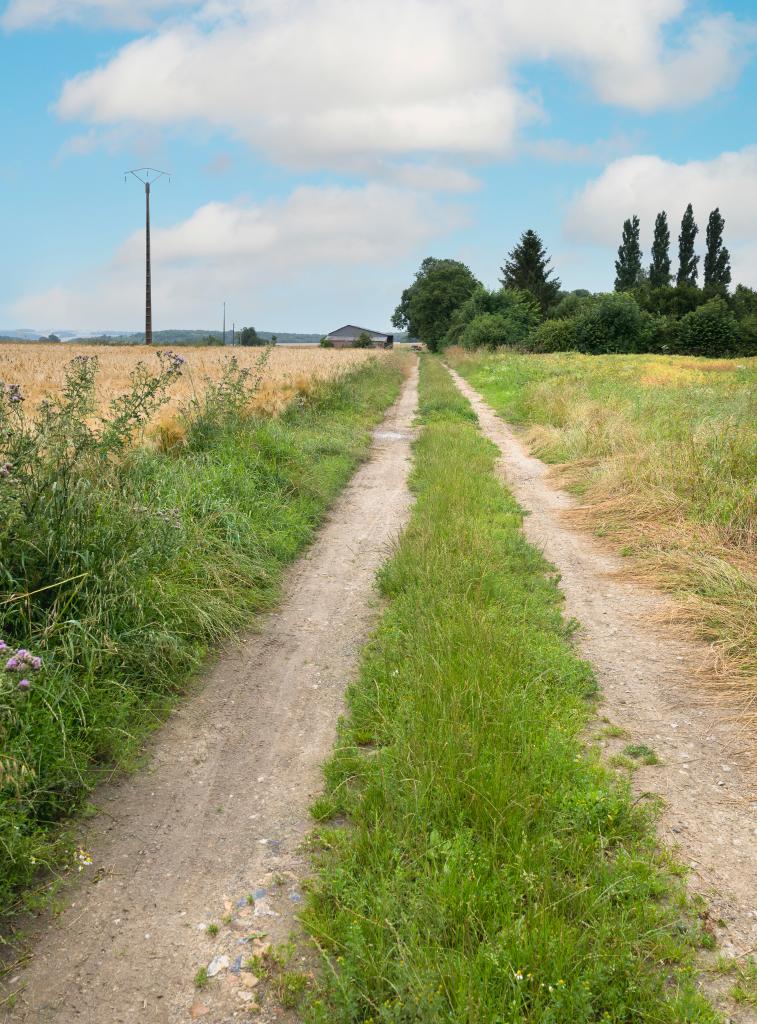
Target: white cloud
(134, 14)
(244, 253)
(324, 82)
(433, 178)
(315, 81)
(563, 151)
(620, 47)
(646, 184)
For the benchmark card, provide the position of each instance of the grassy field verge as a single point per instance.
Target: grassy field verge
(661, 452)
(491, 870)
(122, 568)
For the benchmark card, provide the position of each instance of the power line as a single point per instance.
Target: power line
(143, 174)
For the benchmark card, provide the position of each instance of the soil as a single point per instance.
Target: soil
(652, 691)
(212, 831)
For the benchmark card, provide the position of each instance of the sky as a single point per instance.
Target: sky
(320, 149)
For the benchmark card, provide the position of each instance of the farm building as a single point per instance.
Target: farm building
(349, 334)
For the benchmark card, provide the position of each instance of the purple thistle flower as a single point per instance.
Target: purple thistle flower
(36, 663)
(24, 684)
(3, 645)
(12, 665)
(22, 653)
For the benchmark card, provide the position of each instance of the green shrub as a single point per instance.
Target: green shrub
(668, 300)
(612, 323)
(553, 336)
(661, 334)
(488, 330)
(747, 339)
(518, 310)
(326, 343)
(571, 305)
(363, 340)
(711, 330)
(743, 302)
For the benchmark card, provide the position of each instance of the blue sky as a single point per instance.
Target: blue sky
(320, 149)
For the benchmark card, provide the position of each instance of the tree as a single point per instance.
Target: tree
(527, 268)
(628, 263)
(427, 306)
(248, 336)
(717, 261)
(659, 268)
(363, 340)
(687, 260)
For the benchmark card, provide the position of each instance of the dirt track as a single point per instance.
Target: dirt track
(222, 808)
(650, 689)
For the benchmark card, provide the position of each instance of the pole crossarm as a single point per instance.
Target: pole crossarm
(147, 175)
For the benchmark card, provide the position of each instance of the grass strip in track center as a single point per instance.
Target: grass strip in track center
(491, 869)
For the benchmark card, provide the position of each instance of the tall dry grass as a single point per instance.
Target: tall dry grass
(289, 371)
(662, 452)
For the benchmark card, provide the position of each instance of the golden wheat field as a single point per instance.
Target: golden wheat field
(288, 372)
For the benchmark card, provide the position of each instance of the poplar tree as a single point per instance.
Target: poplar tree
(659, 268)
(527, 267)
(628, 263)
(717, 261)
(687, 260)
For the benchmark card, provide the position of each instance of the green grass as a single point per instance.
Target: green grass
(492, 870)
(171, 554)
(661, 452)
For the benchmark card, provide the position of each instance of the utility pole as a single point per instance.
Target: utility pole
(224, 323)
(143, 174)
(233, 334)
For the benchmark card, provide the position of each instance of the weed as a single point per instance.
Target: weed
(612, 731)
(324, 808)
(212, 930)
(745, 988)
(641, 752)
(621, 761)
(257, 966)
(201, 978)
(290, 988)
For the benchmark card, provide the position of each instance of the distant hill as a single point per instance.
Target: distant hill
(172, 337)
(17, 334)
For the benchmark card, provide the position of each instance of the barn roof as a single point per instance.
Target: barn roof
(352, 330)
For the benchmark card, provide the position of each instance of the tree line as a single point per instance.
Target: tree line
(650, 310)
(630, 274)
